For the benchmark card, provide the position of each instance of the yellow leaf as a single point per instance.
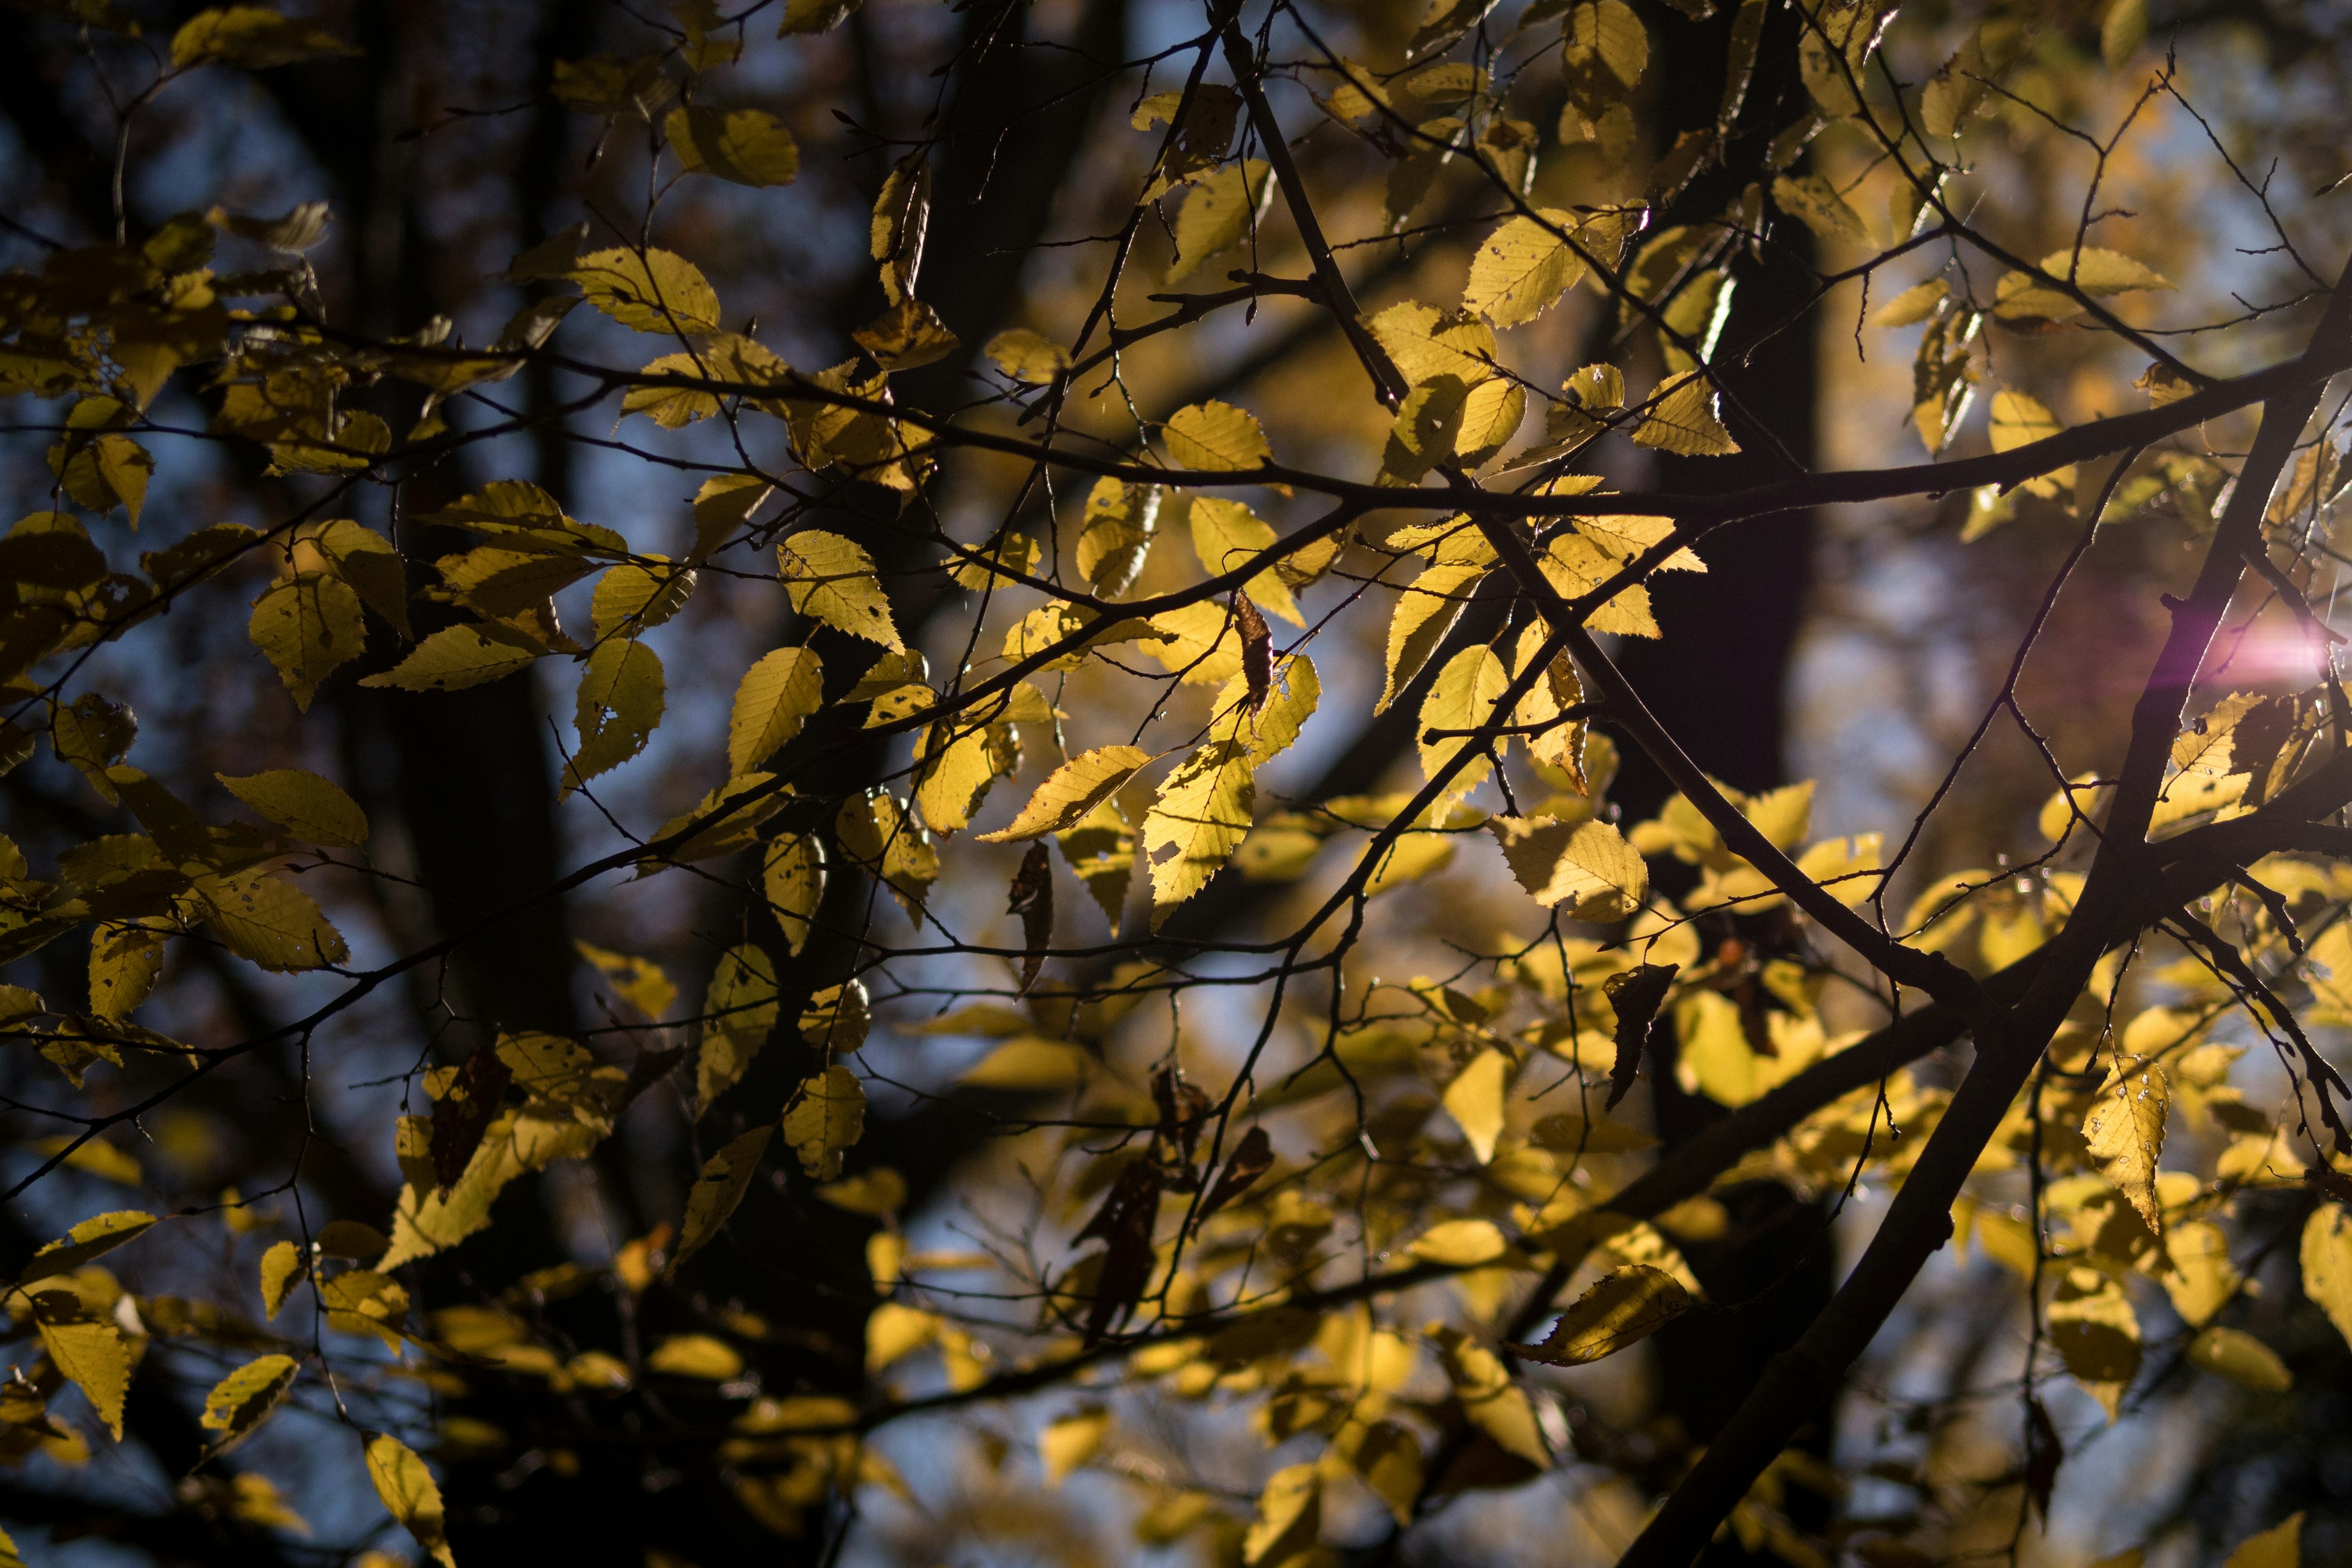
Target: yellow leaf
(1462, 698)
(1425, 342)
(2019, 420)
(1425, 612)
(1072, 1440)
(1029, 356)
(1912, 306)
(457, 656)
(1115, 534)
(637, 980)
(792, 876)
(895, 1331)
(1493, 1401)
(825, 1117)
(1460, 1243)
(92, 1238)
(2096, 1334)
(695, 1355)
(2241, 1358)
(410, 1495)
(308, 626)
(1218, 211)
(1586, 865)
(351, 1238)
(1226, 535)
(1203, 809)
(1680, 418)
(253, 36)
(1387, 1456)
(737, 1012)
(1524, 266)
(244, 1399)
(620, 702)
(1071, 792)
(831, 579)
(282, 1265)
(2099, 271)
(2328, 1264)
(2122, 32)
(90, 1350)
(1215, 438)
(774, 697)
(1474, 1100)
(726, 1176)
(1289, 1518)
(1200, 644)
(312, 808)
(2124, 1131)
(1029, 1063)
(1619, 1309)
(659, 292)
(270, 922)
(747, 146)
(99, 1157)
(2280, 1546)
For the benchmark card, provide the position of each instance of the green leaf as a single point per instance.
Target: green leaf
(312, 808)
(619, 705)
(746, 146)
(659, 292)
(831, 579)
(825, 1117)
(244, 1399)
(774, 697)
(1617, 1310)
(457, 656)
(308, 626)
(726, 1177)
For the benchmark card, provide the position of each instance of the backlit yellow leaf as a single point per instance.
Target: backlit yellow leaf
(725, 1177)
(311, 808)
(1617, 1310)
(2124, 1132)
(1215, 438)
(825, 1120)
(1071, 791)
(410, 1495)
(747, 146)
(659, 292)
(1474, 1100)
(1217, 211)
(244, 1399)
(2328, 1264)
(831, 579)
(457, 656)
(774, 697)
(1069, 1441)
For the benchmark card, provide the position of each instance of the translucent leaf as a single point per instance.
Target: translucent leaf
(1524, 267)
(1203, 811)
(1489, 1396)
(1461, 699)
(1116, 535)
(746, 146)
(313, 809)
(1217, 211)
(1617, 1310)
(1071, 792)
(1216, 437)
(792, 875)
(2100, 271)
(244, 1399)
(637, 980)
(1069, 1441)
(457, 656)
(1424, 341)
(1424, 613)
(1460, 1243)
(659, 292)
(831, 579)
(1474, 1100)
(2122, 32)
(1030, 356)
(1587, 864)
(1815, 203)
(308, 626)
(619, 705)
(2328, 1264)
(1030, 1064)
(1681, 419)
(2124, 1133)
(270, 922)
(726, 1176)
(825, 1120)
(410, 1495)
(1912, 306)
(2019, 420)
(906, 336)
(2096, 1334)
(1226, 535)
